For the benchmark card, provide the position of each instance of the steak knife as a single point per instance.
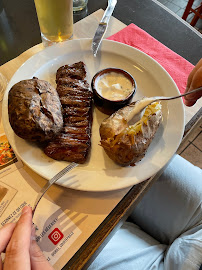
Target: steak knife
(102, 27)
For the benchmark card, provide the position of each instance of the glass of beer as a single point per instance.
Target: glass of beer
(55, 20)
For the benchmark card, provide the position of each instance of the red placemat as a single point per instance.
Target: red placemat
(178, 67)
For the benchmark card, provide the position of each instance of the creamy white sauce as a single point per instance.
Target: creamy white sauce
(138, 108)
(114, 86)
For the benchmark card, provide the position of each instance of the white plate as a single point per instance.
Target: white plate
(100, 173)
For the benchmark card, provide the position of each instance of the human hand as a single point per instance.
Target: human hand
(194, 81)
(22, 252)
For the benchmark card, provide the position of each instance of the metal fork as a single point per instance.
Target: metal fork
(51, 182)
(135, 115)
(159, 98)
(174, 97)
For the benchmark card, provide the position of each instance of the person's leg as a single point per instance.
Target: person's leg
(186, 251)
(173, 204)
(130, 248)
(171, 207)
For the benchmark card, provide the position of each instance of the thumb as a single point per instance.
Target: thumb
(17, 251)
(38, 260)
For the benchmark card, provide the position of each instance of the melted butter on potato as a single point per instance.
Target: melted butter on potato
(137, 127)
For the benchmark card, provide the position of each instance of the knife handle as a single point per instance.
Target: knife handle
(109, 10)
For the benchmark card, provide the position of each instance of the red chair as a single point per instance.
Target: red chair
(197, 11)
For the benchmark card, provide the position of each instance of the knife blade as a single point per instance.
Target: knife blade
(102, 27)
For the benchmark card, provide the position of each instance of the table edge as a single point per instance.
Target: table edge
(101, 236)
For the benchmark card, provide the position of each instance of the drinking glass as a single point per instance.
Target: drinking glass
(55, 20)
(79, 5)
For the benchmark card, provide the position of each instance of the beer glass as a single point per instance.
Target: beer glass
(55, 20)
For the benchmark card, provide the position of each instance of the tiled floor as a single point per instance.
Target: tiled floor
(178, 7)
(191, 147)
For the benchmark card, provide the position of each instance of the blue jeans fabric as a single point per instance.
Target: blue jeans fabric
(166, 232)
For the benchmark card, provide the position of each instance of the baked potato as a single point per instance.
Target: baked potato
(127, 144)
(34, 110)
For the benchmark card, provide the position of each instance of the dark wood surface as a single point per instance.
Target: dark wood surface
(19, 28)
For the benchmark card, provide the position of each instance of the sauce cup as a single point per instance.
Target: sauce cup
(113, 88)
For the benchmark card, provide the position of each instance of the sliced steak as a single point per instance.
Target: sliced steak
(73, 82)
(76, 111)
(65, 90)
(75, 71)
(74, 141)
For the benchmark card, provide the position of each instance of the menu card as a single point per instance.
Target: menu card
(55, 231)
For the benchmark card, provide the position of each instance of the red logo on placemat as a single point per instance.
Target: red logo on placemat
(55, 236)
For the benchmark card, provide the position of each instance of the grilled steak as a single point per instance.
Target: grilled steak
(75, 71)
(73, 143)
(34, 110)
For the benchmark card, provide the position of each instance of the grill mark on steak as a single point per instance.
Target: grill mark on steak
(84, 137)
(76, 111)
(84, 123)
(73, 143)
(77, 130)
(73, 82)
(65, 90)
(74, 119)
(66, 101)
(68, 141)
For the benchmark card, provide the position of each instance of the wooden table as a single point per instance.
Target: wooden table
(98, 215)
